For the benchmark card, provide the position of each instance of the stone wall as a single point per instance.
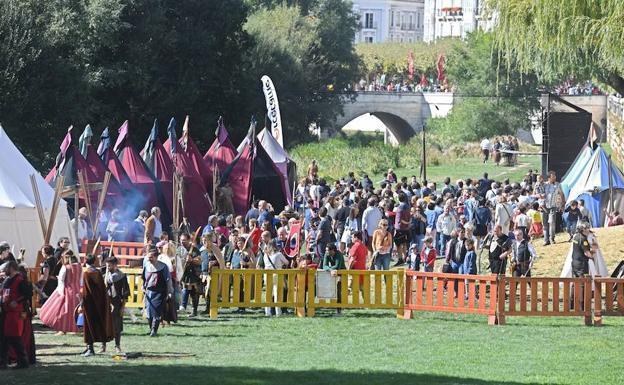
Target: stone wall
(615, 128)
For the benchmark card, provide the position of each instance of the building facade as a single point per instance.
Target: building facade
(455, 18)
(390, 20)
(408, 21)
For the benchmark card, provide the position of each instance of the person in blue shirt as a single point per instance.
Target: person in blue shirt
(253, 212)
(470, 260)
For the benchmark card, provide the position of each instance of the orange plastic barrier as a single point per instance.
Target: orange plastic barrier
(452, 293)
(608, 298)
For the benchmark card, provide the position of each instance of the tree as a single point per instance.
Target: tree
(490, 100)
(306, 56)
(391, 58)
(582, 38)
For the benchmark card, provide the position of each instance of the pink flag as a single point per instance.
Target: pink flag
(222, 134)
(123, 133)
(67, 141)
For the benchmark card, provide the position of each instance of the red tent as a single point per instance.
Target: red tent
(221, 153)
(162, 168)
(116, 168)
(238, 176)
(69, 162)
(97, 166)
(253, 174)
(148, 192)
(192, 151)
(197, 205)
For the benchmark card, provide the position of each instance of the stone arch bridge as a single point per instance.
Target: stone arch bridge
(403, 113)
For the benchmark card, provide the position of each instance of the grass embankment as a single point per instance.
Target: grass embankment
(367, 154)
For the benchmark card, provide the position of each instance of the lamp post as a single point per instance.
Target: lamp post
(423, 162)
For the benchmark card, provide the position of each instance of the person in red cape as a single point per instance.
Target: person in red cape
(98, 325)
(13, 316)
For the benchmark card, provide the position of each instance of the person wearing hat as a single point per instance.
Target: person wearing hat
(157, 287)
(581, 251)
(5, 253)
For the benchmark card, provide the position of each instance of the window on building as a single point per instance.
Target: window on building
(411, 22)
(368, 39)
(368, 21)
(392, 19)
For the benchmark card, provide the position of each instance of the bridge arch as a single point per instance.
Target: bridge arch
(401, 113)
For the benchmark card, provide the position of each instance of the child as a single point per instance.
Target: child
(428, 254)
(118, 291)
(470, 260)
(523, 222)
(414, 257)
(535, 215)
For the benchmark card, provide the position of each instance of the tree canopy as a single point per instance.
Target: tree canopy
(582, 38)
(65, 62)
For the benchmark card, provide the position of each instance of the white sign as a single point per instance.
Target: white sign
(273, 111)
(326, 285)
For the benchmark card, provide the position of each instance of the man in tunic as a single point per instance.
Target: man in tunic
(191, 277)
(14, 295)
(118, 291)
(157, 287)
(581, 251)
(98, 326)
(500, 247)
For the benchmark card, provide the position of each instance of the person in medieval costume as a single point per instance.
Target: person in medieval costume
(225, 195)
(597, 266)
(28, 336)
(157, 288)
(118, 291)
(191, 276)
(13, 305)
(50, 269)
(58, 311)
(98, 326)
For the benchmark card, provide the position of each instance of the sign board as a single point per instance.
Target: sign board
(326, 285)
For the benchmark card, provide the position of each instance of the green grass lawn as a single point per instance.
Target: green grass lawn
(470, 167)
(363, 347)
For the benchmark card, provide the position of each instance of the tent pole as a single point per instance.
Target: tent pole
(610, 186)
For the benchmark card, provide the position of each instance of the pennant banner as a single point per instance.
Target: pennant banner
(273, 111)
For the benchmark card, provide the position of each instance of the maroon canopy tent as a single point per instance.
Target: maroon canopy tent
(192, 152)
(148, 190)
(221, 153)
(68, 163)
(159, 163)
(197, 204)
(253, 174)
(99, 169)
(109, 158)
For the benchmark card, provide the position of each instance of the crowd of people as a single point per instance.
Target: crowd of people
(349, 224)
(500, 148)
(380, 84)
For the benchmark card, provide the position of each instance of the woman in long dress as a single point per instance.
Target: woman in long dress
(58, 311)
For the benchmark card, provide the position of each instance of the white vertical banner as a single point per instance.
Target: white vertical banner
(273, 111)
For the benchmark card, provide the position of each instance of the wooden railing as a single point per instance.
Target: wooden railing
(560, 297)
(608, 298)
(129, 254)
(454, 293)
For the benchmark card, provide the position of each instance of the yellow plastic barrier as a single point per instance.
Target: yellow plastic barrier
(362, 289)
(136, 288)
(247, 288)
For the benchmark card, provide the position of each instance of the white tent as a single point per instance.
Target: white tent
(19, 221)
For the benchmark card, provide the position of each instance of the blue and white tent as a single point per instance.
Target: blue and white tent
(588, 179)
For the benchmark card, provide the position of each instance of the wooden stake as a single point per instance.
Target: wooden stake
(39, 206)
(100, 204)
(60, 181)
